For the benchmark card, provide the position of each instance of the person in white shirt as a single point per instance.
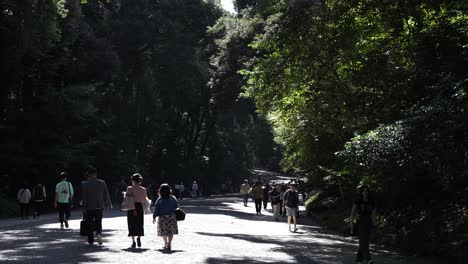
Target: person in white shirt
(24, 196)
(245, 190)
(181, 190)
(63, 197)
(194, 189)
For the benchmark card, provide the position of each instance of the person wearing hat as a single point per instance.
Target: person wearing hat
(63, 196)
(244, 190)
(135, 216)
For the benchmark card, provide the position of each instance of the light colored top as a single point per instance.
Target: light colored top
(181, 188)
(137, 192)
(245, 188)
(194, 187)
(64, 191)
(24, 195)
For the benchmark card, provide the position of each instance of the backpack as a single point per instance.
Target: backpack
(292, 199)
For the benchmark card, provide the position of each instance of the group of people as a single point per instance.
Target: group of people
(284, 199)
(95, 199)
(164, 210)
(25, 197)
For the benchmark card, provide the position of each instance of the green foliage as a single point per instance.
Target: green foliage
(126, 86)
(370, 92)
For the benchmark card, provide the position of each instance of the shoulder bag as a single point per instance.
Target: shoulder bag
(128, 204)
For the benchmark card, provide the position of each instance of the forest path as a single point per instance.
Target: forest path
(218, 229)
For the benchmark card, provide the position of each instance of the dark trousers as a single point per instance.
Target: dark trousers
(246, 199)
(64, 211)
(265, 203)
(364, 231)
(94, 221)
(135, 221)
(24, 209)
(37, 208)
(258, 205)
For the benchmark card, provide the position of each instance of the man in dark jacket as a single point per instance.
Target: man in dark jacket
(95, 197)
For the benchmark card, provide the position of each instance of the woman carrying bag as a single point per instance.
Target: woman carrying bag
(138, 194)
(165, 209)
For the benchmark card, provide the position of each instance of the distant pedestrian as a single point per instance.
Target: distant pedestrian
(266, 193)
(24, 197)
(257, 193)
(164, 209)
(122, 187)
(363, 215)
(63, 197)
(283, 189)
(95, 197)
(181, 190)
(38, 198)
(194, 189)
(245, 190)
(177, 190)
(291, 204)
(135, 217)
(275, 201)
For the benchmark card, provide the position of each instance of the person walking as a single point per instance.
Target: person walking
(95, 196)
(181, 190)
(291, 204)
(38, 198)
(194, 189)
(164, 209)
(275, 201)
(24, 197)
(135, 217)
(283, 189)
(245, 190)
(177, 190)
(63, 197)
(363, 215)
(257, 193)
(266, 194)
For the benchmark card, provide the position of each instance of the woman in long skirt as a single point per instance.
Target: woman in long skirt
(135, 217)
(165, 208)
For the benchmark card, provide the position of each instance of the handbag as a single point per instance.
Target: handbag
(146, 206)
(84, 228)
(179, 214)
(128, 203)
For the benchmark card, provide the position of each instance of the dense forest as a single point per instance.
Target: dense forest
(376, 93)
(125, 86)
(340, 92)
